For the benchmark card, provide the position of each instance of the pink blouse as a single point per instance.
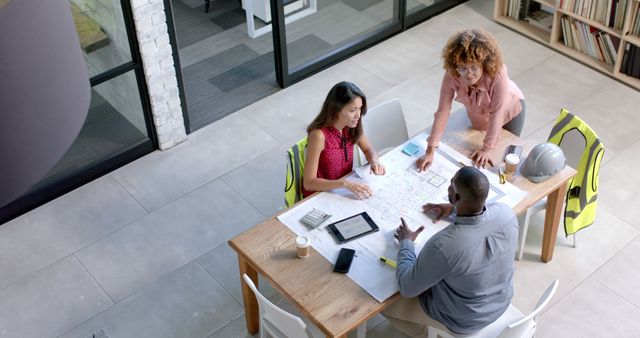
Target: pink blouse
(490, 105)
(336, 159)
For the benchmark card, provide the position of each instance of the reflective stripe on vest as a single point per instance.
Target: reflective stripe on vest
(295, 170)
(582, 193)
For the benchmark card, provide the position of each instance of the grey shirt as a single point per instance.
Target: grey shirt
(463, 274)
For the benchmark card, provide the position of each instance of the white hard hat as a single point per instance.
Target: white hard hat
(543, 161)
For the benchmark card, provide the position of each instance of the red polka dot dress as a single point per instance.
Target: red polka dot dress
(336, 159)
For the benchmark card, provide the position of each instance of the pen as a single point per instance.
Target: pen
(389, 262)
(501, 175)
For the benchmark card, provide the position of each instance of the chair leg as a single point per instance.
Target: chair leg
(206, 5)
(574, 240)
(523, 221)
(361, 331)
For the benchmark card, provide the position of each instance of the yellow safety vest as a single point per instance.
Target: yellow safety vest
(295, 170)
(582, 192)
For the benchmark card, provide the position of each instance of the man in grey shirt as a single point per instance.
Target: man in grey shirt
(462, 278)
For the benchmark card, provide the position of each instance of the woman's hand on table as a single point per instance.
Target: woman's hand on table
(482, 158)
(377, 168)
(361, 190)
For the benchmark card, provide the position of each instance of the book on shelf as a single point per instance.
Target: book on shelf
(635, 61)
(566, 36)
(625, 59)
(521, 9)
(635, 23)
(589, 40)
(541, 19)
(610, 13)
(620, 14)
(631, 61)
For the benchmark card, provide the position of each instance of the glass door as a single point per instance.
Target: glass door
(417, 11)
(310, 35)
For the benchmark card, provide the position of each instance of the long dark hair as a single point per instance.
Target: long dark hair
(339, 96)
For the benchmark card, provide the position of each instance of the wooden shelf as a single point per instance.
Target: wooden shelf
(584, 58)
(550, 3)
(591, 23)
(525, 28)
(631, 81)
(632, 39)
(554, 38)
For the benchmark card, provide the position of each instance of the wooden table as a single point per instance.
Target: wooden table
(332, 301)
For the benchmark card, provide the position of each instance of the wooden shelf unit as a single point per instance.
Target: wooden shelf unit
(554, 38)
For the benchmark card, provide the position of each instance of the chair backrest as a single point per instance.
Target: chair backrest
(512, 323)
(275, 321)
(526, 327)
(573, 146)
(385, 127)
(584, 152)
(295, 157)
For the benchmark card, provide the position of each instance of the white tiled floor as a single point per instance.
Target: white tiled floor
(142, 251)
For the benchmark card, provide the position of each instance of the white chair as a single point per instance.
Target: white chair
(573, 145)
(278, 323)
(385, 127)
(512, 324)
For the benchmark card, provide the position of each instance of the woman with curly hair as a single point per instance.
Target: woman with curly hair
(476, 77)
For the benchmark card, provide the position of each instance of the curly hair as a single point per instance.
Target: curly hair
(339, 96)
(472, 45)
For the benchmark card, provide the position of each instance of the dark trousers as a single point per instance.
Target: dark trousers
(517, 122)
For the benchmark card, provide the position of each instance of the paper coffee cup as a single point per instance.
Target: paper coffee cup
(511, 162)
(303, 245)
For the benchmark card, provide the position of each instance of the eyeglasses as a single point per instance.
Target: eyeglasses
(472, 69)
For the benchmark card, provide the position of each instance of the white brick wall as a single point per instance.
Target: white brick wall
(157, 60)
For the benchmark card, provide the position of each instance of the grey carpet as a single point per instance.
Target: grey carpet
(195, 3)
(218, 64)
(237, 77)
(230, 19)
(193, 24)
(222, 104)
(361, 5)
(299, 51)
(244, 73)
(207, 103)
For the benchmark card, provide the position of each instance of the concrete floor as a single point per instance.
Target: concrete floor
(142, 251)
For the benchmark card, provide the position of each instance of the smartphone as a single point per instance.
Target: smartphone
(345, 257)
(514, 149)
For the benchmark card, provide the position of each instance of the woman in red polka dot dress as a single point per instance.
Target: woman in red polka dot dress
(332, 135)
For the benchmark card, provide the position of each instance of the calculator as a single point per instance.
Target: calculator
(314, 218)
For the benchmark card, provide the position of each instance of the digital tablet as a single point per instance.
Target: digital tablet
(352, 227)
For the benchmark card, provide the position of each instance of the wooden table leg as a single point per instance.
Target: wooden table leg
(552, 217)
(250, 302)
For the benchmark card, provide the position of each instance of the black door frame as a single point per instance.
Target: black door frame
(402, 22)
(37, 197)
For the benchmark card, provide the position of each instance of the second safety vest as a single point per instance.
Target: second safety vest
(582, 194)
(295, 170)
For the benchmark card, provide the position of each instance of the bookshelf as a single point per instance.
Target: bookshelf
(578, 29)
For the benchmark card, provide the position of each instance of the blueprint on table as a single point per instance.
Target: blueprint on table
(401, 192)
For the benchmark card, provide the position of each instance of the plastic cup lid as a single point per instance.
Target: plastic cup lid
(302, 241)
(512, 159)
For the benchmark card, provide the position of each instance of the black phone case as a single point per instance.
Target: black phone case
(345, 258)
(334, 231)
